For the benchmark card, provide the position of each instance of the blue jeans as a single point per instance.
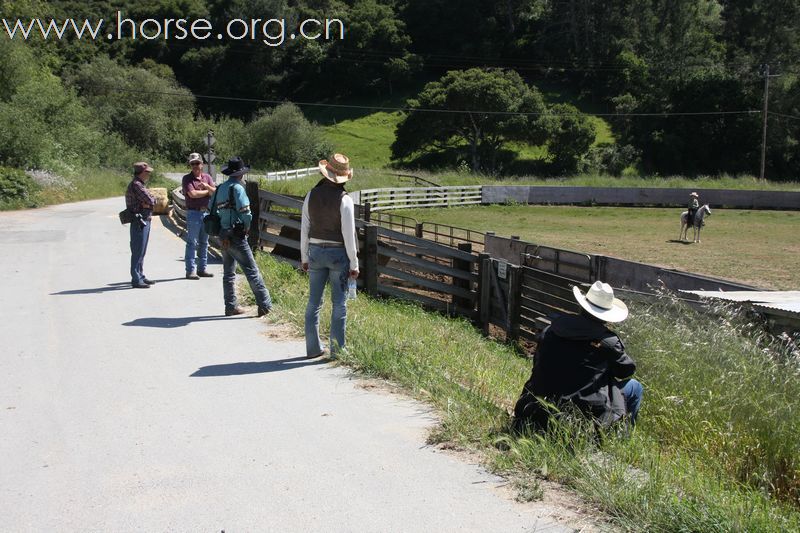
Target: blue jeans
(196, 241)
(632, 391)
(239, 252)
(326, 265)
(139, 238)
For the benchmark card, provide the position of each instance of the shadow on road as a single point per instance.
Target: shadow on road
(239, 369)
(177, 321)
(120, 286)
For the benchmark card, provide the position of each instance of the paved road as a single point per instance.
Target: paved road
(146, 410)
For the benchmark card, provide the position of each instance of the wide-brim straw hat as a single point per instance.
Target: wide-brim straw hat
(599, 301)
(337, 169)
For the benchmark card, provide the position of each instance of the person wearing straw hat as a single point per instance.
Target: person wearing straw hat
(197, 188)
(580, 361)
(235, 217)
(328, 251)
(694, 205)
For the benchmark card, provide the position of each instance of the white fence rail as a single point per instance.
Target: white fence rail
(413, 197)
(287, 174)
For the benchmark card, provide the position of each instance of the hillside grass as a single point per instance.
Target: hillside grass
(366, 136)
(717, 446)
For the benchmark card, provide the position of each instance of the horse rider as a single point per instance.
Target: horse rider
(694, 205)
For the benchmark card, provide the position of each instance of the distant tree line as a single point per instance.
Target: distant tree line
(666, 72)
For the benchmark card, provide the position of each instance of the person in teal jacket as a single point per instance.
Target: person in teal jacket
(235, 217)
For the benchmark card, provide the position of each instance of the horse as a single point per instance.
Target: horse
(699, 222)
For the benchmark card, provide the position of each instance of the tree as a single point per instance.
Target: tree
(570, 138)
(282, 138)
(484, 109)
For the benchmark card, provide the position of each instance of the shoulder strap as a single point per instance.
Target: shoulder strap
(213, 208)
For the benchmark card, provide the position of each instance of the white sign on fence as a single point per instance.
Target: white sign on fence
(502, 269)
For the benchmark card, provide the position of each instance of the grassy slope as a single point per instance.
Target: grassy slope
(707, 448)
(367, 136)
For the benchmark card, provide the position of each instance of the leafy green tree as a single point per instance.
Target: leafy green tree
(570, 138)
(482, 109)
(282, 138)
(152, 113)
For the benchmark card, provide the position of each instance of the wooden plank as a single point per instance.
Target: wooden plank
(420, 199)
(429, 247)
(280, 199)
(533, 288)
(283, 221)
(550, 277)
(424, 194)
(485, 289)
(379, 205)
(550, 301)
(438, 286)
(277, 239)
(426, 265)
(514, 280)
(439, 305)
(371, 259)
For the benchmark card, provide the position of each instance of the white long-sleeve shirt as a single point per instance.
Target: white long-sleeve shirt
(347, 211)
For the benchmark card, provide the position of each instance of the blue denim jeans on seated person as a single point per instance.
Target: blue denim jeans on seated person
(239, 252)
(632, 391)
(196, 241)
(326, 265)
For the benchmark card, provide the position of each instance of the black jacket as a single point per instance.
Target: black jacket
(578, 360)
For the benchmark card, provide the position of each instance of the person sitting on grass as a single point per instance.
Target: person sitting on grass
(580, 362)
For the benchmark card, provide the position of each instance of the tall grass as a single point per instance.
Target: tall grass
(718, 439)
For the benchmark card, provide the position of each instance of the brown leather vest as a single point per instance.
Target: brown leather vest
(324, 210)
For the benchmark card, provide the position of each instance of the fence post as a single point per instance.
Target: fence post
(254, 236)
(514, 290)
(485, 291)
(371, 259)
(465, 266)
(367, 211)
(418, 230)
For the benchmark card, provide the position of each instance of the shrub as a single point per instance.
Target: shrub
(17, 190)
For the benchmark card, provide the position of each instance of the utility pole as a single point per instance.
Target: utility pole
(765, 73)
(210, 155)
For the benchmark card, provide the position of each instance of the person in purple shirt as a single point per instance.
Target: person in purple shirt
(197, 187)
(139, 201)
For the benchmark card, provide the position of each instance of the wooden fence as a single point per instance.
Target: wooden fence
(413, 197)
(289, 174)
(444, 274)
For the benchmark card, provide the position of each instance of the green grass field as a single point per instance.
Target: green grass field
(754, 247)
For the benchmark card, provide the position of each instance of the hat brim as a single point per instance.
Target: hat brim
(332, 176)
(617, 313)
(195, 161)
(236, 173)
